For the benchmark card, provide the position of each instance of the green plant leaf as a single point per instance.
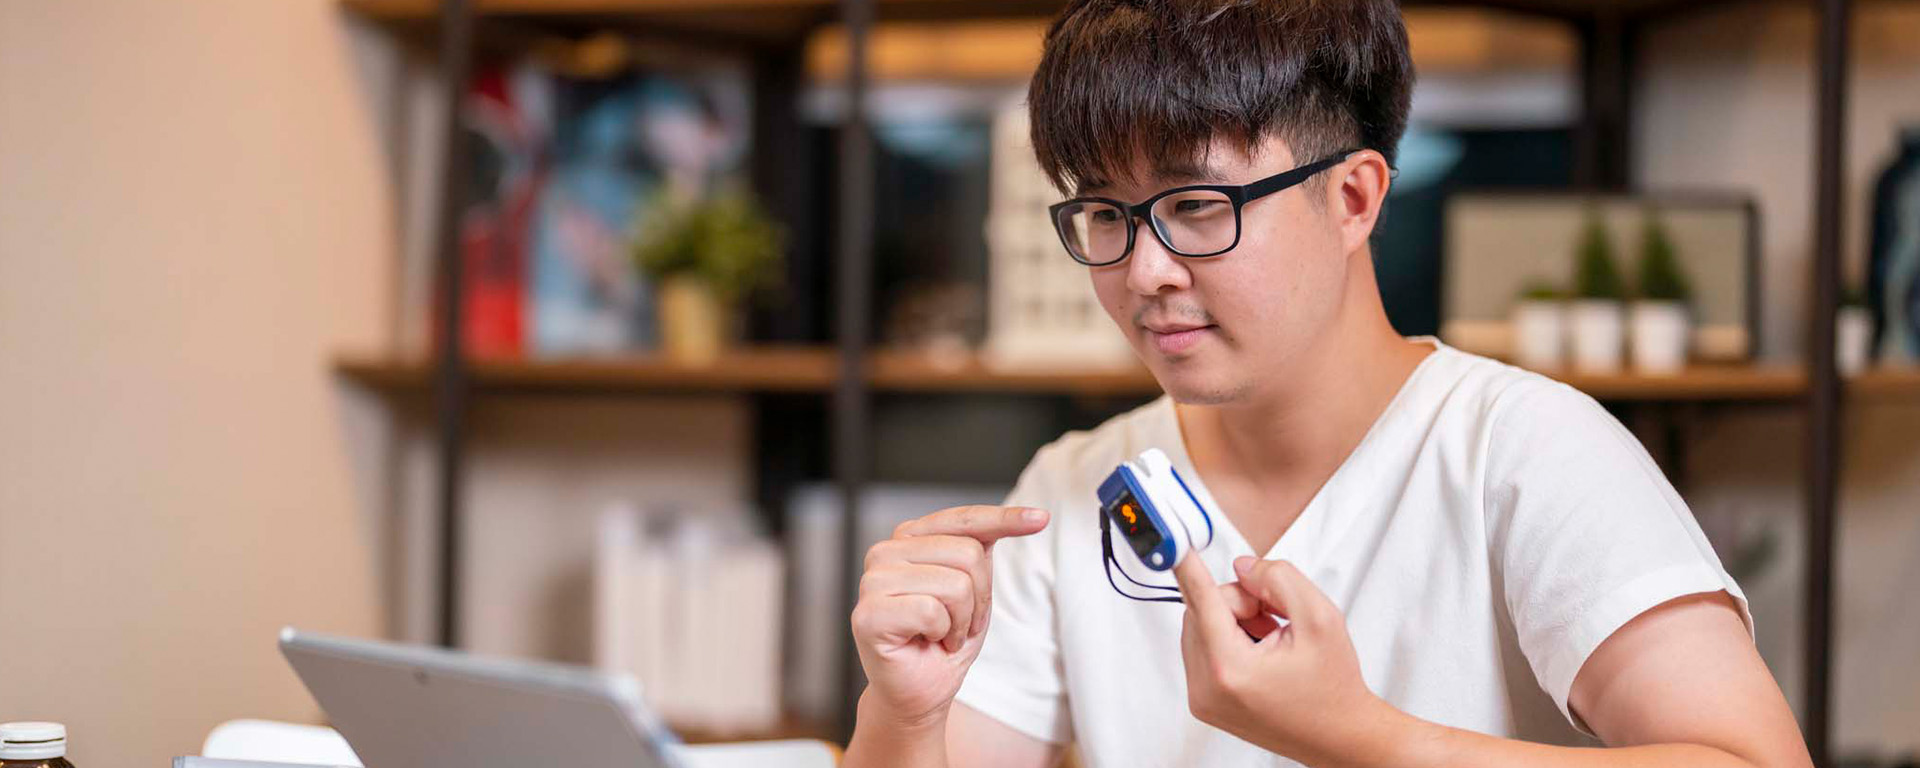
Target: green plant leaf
(1541, 290)
(1661, 278)
(1595, 276)
(725, 240)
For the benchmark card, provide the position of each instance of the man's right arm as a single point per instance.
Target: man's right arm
(966, 739)
(976, 741)
(922, 616)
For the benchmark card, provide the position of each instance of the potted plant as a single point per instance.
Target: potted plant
(1598, 322)
(1852, 333)
(704, 256)
(1540, 327)
(1660, 324)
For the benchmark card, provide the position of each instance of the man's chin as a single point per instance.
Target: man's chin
(1190, 383)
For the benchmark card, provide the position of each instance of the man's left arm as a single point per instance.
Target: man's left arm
(1681, 684)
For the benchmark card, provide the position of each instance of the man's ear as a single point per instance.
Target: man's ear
(1355, 194)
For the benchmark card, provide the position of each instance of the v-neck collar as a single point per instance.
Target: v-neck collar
(1311, 516)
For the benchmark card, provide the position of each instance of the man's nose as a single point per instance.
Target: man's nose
(1152, 269)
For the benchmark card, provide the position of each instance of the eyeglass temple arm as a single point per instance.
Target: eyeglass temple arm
(1272, 184)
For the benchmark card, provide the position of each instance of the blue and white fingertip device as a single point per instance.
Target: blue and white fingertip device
(1158, 515)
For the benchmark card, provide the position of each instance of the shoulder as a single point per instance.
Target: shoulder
(1082, 458)
(1505, 399)
(1520, 427)
(1543, 439)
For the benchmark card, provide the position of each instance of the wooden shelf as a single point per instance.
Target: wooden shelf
(423, 9)
(815, 369)
(757, 369)
(790, 19)
(711, 20)
(753, 369)
(1886, 383)
(1730, 382)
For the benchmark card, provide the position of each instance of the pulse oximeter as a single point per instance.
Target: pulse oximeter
(1156, 513)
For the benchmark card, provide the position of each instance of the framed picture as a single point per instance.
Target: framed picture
(1498, 244)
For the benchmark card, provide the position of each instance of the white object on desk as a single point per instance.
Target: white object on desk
(269, 744)
(275, 742)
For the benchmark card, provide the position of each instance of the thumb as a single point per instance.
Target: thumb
(1285, 589)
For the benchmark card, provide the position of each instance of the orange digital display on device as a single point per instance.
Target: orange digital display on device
(1134, 524)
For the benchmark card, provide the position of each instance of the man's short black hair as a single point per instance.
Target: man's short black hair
(1124, 79)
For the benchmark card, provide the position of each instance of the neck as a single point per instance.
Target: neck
(1306, 422)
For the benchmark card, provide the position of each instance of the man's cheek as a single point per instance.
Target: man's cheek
(1112, 295)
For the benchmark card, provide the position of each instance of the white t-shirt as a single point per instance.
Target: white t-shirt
(1491, 529)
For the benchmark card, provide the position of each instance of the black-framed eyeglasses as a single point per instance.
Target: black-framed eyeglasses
(1194, 221)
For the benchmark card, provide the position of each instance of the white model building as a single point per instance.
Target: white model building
(1041, 310)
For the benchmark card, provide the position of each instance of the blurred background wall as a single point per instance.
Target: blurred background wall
(194, 213)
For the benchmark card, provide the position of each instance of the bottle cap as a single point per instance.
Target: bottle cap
(32, 741)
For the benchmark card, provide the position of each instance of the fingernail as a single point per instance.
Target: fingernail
(1033, 516)
(1241, 565)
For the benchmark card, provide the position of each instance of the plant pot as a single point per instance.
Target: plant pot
(693, 321)
(1599, 328)
(1852, 334)
(1660, 332)
(1540, 334)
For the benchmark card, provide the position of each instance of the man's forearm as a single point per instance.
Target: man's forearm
(880, 743)
(1405, 741)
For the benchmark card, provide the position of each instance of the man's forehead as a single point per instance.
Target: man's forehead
(1161, 175)
(1152, 172)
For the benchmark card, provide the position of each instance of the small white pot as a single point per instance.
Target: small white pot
(1852, 334)
(1540, 334)
(1599, 329)
(1660, 331)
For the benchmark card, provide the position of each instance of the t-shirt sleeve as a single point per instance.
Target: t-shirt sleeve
(1584, 531)
(1018, 678)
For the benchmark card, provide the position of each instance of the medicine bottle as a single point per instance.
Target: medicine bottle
(33, 745)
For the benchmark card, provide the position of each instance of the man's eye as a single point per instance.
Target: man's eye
(1196, 206)
(1106, 216)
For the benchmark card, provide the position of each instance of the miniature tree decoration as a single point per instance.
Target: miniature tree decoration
(1660, 275)
(1596, 277)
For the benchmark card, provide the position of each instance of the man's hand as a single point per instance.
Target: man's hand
(1679, 685)
(1294, 689)
(925, 599)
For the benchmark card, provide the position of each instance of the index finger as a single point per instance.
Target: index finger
(1202, 595)
(987, 524)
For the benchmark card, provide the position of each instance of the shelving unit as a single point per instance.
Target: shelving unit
(773, 33)
(800, 369)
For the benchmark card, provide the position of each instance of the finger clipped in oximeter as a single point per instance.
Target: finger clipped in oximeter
(1157, 514)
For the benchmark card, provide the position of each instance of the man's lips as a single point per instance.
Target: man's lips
(1174, 339)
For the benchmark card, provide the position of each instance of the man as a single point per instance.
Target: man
(1477, 566)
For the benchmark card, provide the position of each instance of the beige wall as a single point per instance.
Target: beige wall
(193, 214)
(1726, 102)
